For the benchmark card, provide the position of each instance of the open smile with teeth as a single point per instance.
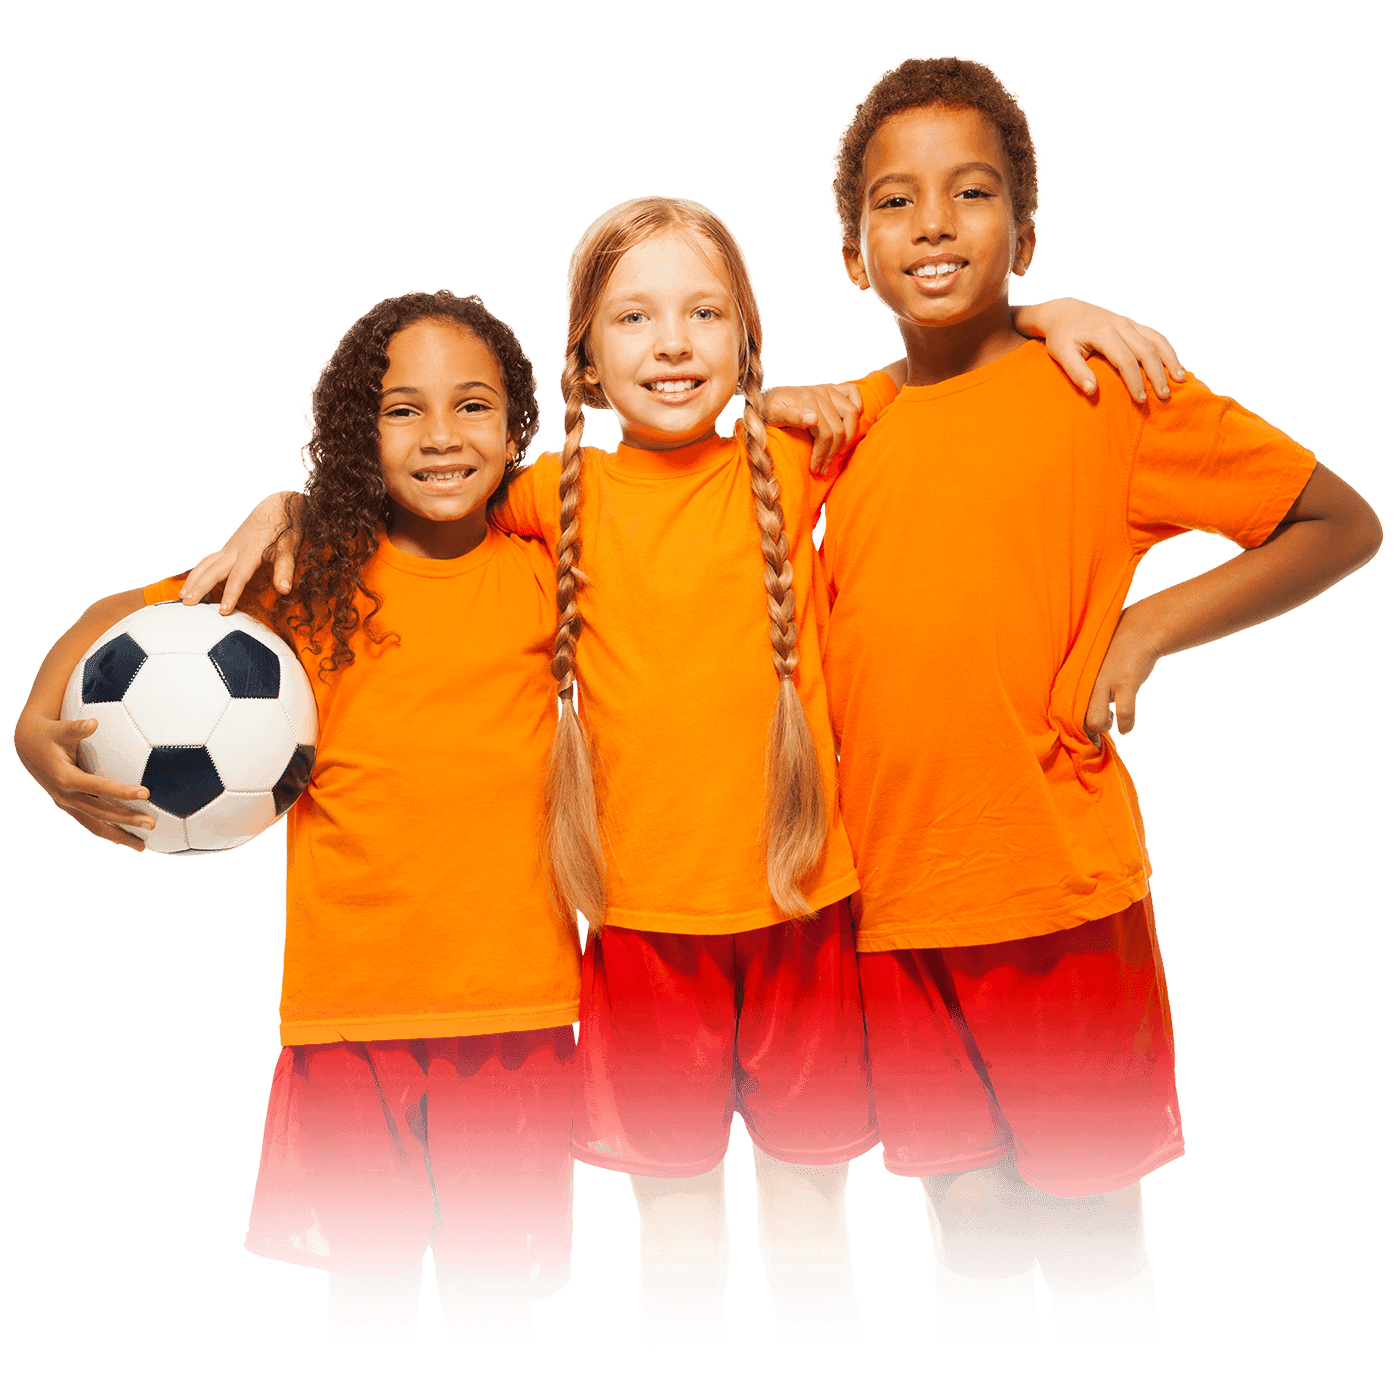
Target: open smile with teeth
(456, 474)
(935, 270)
(672, 388)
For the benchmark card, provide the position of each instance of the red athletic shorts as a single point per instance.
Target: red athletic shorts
(1055, 1050)
(677, 1031)
(374, 1149)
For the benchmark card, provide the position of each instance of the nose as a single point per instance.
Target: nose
(442, 431)
(936, 219)
(672, 338)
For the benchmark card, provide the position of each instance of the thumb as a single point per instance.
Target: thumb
(1125, 706)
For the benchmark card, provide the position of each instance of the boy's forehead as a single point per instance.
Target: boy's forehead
(925, 142)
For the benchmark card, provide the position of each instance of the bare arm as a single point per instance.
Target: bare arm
(1329, 531)
(235, 564)
(48, 747)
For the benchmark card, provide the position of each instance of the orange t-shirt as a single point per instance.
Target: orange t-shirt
(980, 544)
(676, 670)
(416, 904)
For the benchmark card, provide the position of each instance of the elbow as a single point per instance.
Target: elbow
(1366, 536)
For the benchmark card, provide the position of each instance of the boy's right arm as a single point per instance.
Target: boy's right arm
(48, 747)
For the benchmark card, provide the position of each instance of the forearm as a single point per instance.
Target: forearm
(1302, 559)
(46, 696)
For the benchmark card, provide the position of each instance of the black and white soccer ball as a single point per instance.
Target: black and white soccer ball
(213, 715)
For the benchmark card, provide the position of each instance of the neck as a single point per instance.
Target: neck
(436, 539)
(936, 353)
(643, 443)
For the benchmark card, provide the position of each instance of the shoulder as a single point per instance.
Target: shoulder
(789, 448)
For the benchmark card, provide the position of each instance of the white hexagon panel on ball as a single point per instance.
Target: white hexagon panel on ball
(176, 699)
(175, 628)
(251, 745)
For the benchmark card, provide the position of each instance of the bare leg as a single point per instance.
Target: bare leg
(990, 1228)
(685, 1246)
(380, 1299)
(802, 1234)
(493, 1302)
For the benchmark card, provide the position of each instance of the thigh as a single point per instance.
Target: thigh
(343, 1182)
(935, 1108)
(498, 1124)
(1073, 1032)
(654, 1083)
(802, 1080)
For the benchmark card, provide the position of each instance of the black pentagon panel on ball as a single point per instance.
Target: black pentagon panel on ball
(181, 779)
(293, 782)
(250, 670)
(109, 671)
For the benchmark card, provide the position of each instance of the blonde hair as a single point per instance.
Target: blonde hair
(795, 816)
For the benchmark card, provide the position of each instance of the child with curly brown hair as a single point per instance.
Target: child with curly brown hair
(1019, 1033)
(430, 979)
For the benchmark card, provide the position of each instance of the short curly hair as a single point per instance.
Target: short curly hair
(934, 82)
(346, 505)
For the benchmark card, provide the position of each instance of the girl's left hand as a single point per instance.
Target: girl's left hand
(830, 412)
(1072, 330)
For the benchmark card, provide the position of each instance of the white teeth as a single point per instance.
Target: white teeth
(934, 269)
(673, 386)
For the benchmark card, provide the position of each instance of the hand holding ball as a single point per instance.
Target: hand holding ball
(213, 715)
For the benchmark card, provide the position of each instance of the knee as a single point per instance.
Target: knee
(982, 1221)
(1088, 1243)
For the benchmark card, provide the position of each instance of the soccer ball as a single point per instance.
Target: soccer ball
(213, 715)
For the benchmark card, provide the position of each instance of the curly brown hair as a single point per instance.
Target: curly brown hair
(934, 82)
(345, 506)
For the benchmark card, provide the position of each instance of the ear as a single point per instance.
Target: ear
(1025, 249)
(855, 266)
(512, 450)
(590, 375)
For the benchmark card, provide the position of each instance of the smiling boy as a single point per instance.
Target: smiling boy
(1020, 1037)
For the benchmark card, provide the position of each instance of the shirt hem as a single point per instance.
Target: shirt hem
(717, 925)
(493, 1022)
(887, 938)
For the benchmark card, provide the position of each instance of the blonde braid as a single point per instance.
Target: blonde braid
(794, 819)
(575, 845)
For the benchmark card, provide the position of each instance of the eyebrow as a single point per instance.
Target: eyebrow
(456, 388)
(979, 165)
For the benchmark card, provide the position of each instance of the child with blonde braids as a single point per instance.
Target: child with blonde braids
(692, 806)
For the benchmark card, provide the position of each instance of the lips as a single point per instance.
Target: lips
(444, 475)
(675, 389)
(936, 274)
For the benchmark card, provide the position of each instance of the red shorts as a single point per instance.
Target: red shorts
(677, 1031)
(374, 1149)
(1055, 1050)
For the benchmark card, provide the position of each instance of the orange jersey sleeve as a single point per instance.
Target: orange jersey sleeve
(531, 506)
(1211, 465)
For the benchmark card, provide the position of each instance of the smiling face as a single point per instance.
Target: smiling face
(938, 237)
(444, 443)
(664, 345)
